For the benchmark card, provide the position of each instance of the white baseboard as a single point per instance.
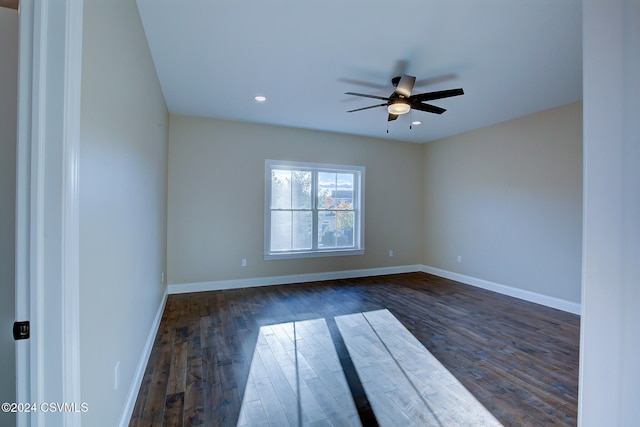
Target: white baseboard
(522, 294)
(557, 303)
(284, 280)
(142, 365)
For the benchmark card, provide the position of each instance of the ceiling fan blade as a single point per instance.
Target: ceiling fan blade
(435, 80)
(427, 107)
(363, 83)
(392, 117)
(405, 85)
(400, 67)
(368, 96)
(430, 96)
(366, 108)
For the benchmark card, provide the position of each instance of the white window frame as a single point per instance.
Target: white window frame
(315, 168)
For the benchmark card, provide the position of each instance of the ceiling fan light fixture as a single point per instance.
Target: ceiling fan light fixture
(398, 108)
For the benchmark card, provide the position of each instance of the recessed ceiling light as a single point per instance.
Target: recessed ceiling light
(416, 122)
(260, 98)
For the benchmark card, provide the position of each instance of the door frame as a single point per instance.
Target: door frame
(47, 208)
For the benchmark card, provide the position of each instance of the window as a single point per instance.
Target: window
(313, 209)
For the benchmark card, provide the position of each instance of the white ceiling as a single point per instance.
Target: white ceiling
(511, 57)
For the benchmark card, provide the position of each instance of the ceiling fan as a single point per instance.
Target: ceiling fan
(401, 101)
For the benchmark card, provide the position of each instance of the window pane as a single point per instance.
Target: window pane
(281, 230)
(344, 192)
(326, 189)
(302, 230)
(291, 230)
(280, 189)
(344, 221)
(301, 189)
(335, 229)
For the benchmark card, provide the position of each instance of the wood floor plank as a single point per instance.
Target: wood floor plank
(194, 392)
(178, 368)
(174, 410)
(518, 359)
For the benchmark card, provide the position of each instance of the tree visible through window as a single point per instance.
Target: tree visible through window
(313, 209)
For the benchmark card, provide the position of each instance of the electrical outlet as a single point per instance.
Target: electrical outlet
(244, 262)
(459, 258)
(116, 375)
(390, 252)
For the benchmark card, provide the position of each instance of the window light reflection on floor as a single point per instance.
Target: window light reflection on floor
(296, 378)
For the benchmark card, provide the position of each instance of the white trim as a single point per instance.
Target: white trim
(24, 371)
(289, 279)
(37, 210)
(522, 294)
(315, 168)
(314, 254)
(71, 211)
(130, 401)
(47, 245)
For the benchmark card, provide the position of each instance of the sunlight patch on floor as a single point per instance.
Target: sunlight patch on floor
(406, 385)
(296, 379)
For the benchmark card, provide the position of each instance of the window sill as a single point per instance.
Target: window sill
(315, 254)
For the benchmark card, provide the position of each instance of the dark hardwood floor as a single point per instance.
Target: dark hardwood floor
(519, 359)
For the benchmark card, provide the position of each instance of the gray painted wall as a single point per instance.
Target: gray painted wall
(508, 199)
(123, 170)
(216, 198)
